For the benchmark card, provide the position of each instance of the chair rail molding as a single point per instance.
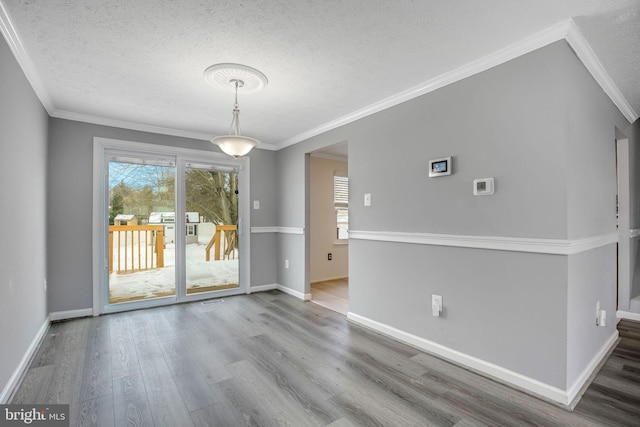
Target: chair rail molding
(513, 244)
(280, 230)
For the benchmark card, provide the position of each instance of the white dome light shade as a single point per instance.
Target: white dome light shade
(235, 145)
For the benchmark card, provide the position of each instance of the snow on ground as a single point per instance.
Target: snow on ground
(161, 281)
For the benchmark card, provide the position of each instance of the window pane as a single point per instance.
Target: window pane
(342, 221)
(212, 261)
(340, 190)
(141, 229)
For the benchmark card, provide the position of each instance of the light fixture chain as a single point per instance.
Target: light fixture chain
(236, 104)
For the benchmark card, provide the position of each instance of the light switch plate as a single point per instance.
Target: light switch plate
(436, 304)
(367, 199)
(256, 204)
(436, 299)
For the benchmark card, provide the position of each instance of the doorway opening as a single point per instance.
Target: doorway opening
(328, 207)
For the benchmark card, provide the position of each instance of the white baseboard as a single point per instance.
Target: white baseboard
(262, 288)
(514, 379)
(628, 315)
(24, 363)
(293, 292)
(70, 314)
(586, 375)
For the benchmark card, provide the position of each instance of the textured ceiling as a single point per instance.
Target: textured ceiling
(142, 62)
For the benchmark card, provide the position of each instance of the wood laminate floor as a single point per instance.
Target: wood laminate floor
(268, 359)
(333, 294)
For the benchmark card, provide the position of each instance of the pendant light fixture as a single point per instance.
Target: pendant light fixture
(235, 77)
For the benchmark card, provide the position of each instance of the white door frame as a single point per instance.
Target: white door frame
(100, 203)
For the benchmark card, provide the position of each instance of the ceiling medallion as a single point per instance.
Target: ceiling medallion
(222, 76)
(235, 78)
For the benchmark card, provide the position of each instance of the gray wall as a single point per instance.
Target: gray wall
(590, 122)
(592, 278)
(633, 133)
(23, 166)
(508, 308)
(543, 128)
(69, 223)
(263, 188)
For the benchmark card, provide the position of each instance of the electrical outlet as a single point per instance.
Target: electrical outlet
(286, 263)
(329, 256)
(598, 313)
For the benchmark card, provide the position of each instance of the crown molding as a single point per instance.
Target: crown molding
(536, 41)
(28, 67)
(103, 121)
(566, 30)
(122, 124)
(591, 62)
(31, 73)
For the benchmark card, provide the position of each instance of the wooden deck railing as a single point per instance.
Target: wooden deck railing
(136, 248)
(227, 235)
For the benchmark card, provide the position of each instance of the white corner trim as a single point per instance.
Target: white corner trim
(591, 62)
(620, 314)
(70, 314)
(260, 230)
(281, 230)
(293, 292)
(514, 244)
(28, 68)
(262, 288)
(634, 232)
(14, 381)
(528, 384)
(584, 377)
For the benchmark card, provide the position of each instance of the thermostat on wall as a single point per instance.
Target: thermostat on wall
(440, 167)
(482, 186)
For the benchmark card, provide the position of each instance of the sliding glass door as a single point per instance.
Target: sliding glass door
(141, 231)
(212, 247)
(171, 226)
